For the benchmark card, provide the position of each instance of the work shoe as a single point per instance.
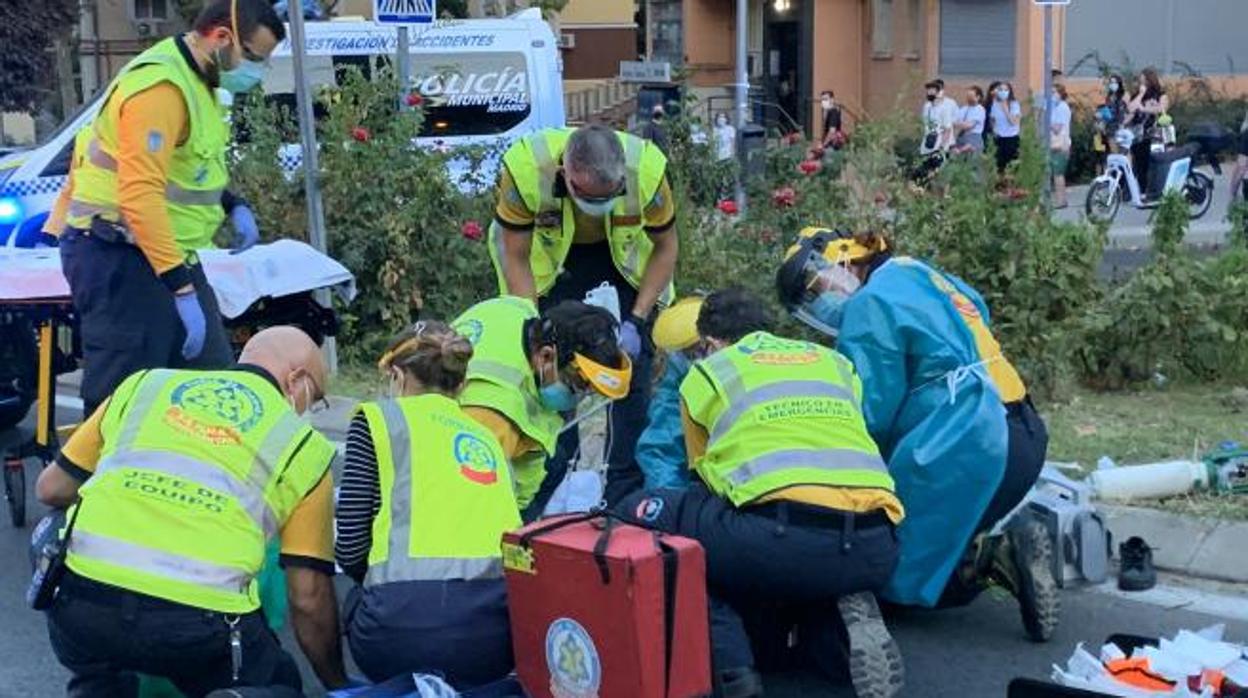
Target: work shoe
(742, 682)
(1023, 564)
(875, 665)
(1136, 572)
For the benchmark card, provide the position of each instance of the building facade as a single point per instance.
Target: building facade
(876, 54)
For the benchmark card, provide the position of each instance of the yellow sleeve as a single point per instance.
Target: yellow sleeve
(149, 127)
(55, 224)
(81, 453)
(696, 436)
(660, 213)
(513, 441)
(309, 532)
(511, 211)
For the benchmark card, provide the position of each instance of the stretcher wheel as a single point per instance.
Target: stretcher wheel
(15, 490)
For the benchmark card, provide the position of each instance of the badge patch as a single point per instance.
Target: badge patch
(649, 509)
(476, 461)
(575, 670)
(471, 330)
(216, 409)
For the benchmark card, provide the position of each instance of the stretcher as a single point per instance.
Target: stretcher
(267, 285)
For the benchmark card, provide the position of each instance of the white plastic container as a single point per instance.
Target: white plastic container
(1149, 481)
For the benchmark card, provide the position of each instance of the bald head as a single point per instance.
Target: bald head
(293, 359)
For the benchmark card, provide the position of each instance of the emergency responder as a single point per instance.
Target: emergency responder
(180, 477)
(148, 189)
(527, 371)
(576, 209)
(950, 413)
(426, 547)
(791, 501)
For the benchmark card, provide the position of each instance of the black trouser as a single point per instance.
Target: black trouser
(1141, 157)
(587, 266)
(105, 635)
(1007, 151)
(774, 561)
(457, 629)
(127, 316)
(1027, 447)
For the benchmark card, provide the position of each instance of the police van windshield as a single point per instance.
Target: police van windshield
(465, 94)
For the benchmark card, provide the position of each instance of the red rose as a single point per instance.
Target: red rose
(784, 196)
(472, 230)
(360, 134)
(414, 99)
(809, 167)
(728, 206)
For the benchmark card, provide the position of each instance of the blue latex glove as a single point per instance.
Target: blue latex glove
(630, 339)
(192, 316)
(246, 232)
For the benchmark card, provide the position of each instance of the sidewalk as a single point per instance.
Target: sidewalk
(1197, 547)
(1131, 227)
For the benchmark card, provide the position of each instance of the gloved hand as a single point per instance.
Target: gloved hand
(246, 232)
(630, 339)
(192, 316)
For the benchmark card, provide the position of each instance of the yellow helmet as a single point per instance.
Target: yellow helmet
(834, 246)
(676, 328)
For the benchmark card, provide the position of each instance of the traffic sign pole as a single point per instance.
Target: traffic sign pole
(405, 67)
(311, 160)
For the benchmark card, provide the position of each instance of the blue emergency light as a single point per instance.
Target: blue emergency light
(10, 211)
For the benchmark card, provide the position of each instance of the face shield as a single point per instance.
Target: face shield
(596, 386)
(828, 286)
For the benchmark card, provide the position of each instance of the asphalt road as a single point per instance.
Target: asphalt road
(971, 652)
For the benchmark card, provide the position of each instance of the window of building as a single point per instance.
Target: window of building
(667, 27)
(977, 38)
(149, 9)
(914, 29)
(881, 27)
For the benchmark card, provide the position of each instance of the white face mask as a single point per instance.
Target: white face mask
(598, 209)
(721, 121)
(826, 102)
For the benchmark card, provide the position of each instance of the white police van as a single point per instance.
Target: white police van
(484, 82)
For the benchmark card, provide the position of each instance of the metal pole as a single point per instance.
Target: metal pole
(405, 66)
(742, 93)
(1047, 118)
(311, 160)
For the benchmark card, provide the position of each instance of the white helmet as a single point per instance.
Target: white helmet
(1124, 137)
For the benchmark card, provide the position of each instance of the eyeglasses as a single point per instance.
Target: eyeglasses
(252, 55)
(619, 191)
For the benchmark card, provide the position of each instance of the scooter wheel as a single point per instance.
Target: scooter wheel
(1198, 190)
(1104, 200)
(15, 492)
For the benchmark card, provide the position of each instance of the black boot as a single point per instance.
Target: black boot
(1136, 572)
(742, 682)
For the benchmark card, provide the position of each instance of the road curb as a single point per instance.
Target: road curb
(1195, 546)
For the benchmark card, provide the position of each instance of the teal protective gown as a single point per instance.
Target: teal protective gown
(934, 413)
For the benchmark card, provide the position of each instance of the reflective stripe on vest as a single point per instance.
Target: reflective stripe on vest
(250, 495)
(398, 565)
(822, 459)
(174, 194)
(739, 400)
(159, 562)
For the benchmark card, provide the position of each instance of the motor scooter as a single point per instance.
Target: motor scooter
(1107, 192)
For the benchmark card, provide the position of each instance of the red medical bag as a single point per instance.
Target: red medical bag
(604, 608)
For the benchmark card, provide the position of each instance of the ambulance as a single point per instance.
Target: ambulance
(485, 82)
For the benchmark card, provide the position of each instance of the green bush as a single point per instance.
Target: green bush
(391, 217)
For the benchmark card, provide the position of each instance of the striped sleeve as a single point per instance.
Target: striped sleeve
(359, 500)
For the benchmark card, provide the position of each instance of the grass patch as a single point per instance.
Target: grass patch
(1150, 425)
(1147, 425)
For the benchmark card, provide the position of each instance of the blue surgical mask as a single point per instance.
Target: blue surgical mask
(557, 397)
(243, 78)
(1003, 94)
(1112, 87)
(824, 313)
(598, 209)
